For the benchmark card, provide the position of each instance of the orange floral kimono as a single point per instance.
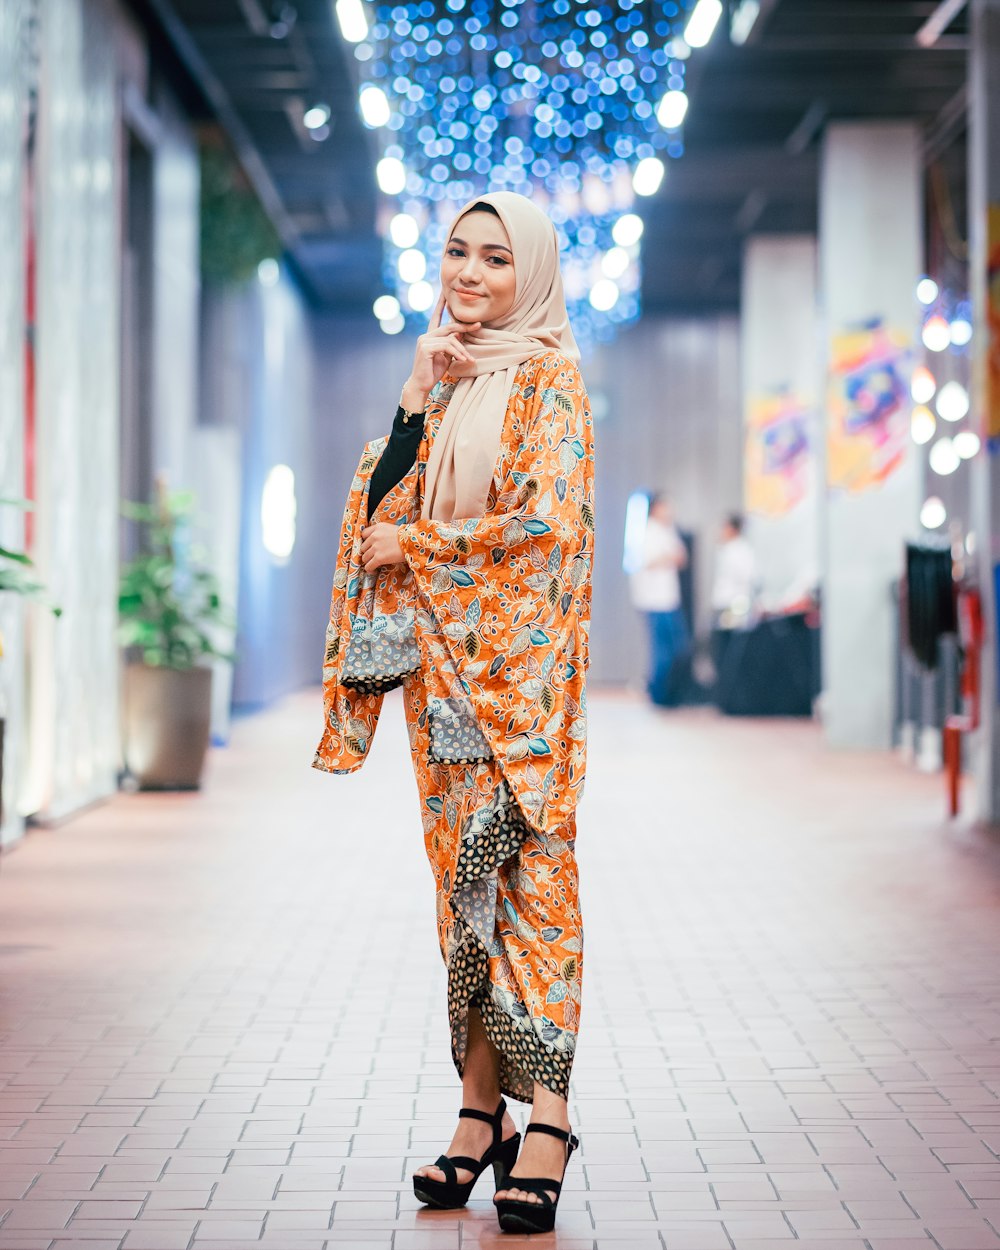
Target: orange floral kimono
(496, 710)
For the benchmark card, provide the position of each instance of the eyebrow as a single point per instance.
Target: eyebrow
(487, 247)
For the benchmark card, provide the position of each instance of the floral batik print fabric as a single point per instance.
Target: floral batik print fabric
(496, 714)
(371, 630)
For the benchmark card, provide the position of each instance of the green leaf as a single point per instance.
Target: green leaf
(19, 556)
(169, 601)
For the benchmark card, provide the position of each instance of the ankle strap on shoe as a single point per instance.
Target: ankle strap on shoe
(551, 1130)
(470, 1113)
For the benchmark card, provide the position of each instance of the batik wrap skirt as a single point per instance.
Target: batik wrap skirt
(508, 913)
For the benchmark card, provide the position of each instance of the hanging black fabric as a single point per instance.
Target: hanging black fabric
(930, 600)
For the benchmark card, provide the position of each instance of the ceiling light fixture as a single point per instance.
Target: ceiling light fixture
(391, 175)
(268, 271)
(922, 425)
(627, 230)
(374, 107)
(743, 19)
(922, 385)
(936, 334)
(403, 230)
(420, 296)
(316, 115)
(943, 458)
(352, 19)
(933, 514)
(702, 23)
(604, 294)
(648, 176)
(393, 325)
(283, 17)
(953, 402)
(939, 21)
(386, 307)
(615, 262)
(961, 332)
(967, 444)
(412, 266)
(673, 109)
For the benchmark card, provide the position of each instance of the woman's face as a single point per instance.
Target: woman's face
(477, 269)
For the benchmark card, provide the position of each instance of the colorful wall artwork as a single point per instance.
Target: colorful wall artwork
(868, 426)
(778, 464)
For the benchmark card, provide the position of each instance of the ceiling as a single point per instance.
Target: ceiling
(752, 134)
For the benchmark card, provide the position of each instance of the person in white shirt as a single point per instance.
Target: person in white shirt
(656, 591)
(735, 574)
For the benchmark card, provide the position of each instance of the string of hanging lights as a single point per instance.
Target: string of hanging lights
(577, 105)
(946, 334)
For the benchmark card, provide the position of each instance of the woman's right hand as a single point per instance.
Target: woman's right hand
(436, 350)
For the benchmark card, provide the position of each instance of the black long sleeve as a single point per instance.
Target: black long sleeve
(397, 459)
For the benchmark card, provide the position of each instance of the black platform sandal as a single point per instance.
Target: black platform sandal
(450, 1193)
(517, 1216)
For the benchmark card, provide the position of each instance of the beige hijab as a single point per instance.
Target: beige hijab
(464, 454)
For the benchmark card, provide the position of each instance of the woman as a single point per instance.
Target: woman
(476, 519)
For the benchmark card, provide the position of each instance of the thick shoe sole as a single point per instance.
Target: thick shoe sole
(434, 1200)
(429, 1194)
(514, 1222)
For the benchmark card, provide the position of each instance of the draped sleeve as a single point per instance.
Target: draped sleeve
(350, 717)
(509, 593)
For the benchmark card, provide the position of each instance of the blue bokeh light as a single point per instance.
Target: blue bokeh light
(556, 99)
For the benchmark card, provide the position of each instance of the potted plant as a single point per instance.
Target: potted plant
(172, 620)
(17, 577)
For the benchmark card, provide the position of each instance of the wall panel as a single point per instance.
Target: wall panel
(14, 16)
(74, 661)
(257, 380)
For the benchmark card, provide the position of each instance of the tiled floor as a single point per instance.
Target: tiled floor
(223, 1019)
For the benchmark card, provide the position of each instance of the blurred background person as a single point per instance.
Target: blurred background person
(735, 584)
(656, 591)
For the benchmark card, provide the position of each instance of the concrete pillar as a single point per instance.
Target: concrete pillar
(984, 233)
(13, 105)
(870, 261)
(781, 402)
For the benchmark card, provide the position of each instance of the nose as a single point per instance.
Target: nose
(470, 272)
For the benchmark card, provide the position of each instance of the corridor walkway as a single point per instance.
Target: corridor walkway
(222, 1020)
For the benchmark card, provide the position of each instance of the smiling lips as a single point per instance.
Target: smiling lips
(468, 295)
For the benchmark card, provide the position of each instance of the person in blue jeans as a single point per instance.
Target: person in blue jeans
(656, 591)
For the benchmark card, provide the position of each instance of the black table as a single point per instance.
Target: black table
(772, 669)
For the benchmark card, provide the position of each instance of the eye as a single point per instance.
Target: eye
(500, 260)
(455, 251)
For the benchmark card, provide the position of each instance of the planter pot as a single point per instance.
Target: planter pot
(167, 717)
